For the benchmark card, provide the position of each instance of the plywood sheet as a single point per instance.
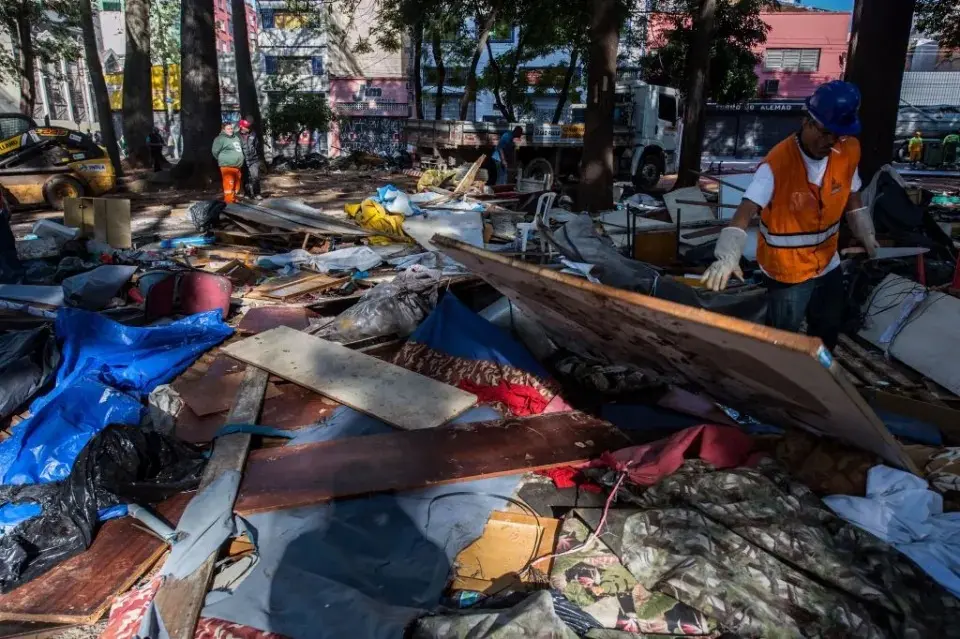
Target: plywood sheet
(393, 394)
(263, 318)
(782, 378)
(214, 393)
(80, 589)
(293, 476)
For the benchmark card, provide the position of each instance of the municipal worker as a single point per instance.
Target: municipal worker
(803, 188)
(229, 153)
(251, 169)
(505, 155)
(950, 145)
(915, 147)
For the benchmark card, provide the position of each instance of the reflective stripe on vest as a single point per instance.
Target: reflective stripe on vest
(797, 240)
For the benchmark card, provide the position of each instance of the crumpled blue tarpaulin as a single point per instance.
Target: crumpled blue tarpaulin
(106, 370)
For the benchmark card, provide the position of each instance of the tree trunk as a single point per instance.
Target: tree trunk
(567, 81)
(200, 116)
(498, 99)
(512, 72)
(596, 182)
(167, 107)
(246, 85)
(100, 95)
(417, 38)
(879, 37)
(137, 84)
(441, 77)
(28, 64)
(470, 90)
(697, 70)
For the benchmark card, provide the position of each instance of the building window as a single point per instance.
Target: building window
(667, 108)
(111, 5)
(294, 65)
(771, 88)
(455, 76)
(374, 92)
(805, 60)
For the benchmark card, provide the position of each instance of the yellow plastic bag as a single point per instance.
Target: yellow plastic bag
(433, 177)
(371, 215)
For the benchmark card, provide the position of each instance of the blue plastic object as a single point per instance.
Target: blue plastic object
(192, 240)
(106, 370)
(112, 512)
(835, 105)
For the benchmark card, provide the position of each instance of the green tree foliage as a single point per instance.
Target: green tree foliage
(738, 29)
(291, 112)
(43, 33)
(940, 19)
(165, 44)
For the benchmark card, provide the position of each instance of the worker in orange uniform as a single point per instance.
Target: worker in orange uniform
(915, 148)
(229, 154)
(803, 189)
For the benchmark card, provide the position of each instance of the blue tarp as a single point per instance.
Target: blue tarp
(106, 371)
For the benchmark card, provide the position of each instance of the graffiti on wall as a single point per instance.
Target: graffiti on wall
(377, 135)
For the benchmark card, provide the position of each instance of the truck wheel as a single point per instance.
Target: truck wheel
(648, 173)
(538, 169)
(59, 187)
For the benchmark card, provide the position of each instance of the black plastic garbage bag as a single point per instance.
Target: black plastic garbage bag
(28, 361)
(121, 464)
(205, 214)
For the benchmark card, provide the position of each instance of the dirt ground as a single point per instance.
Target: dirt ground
(162, 210)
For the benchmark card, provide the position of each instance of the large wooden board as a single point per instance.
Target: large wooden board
(393, 394)
(80, 589)
(782, 378)
(293, 476)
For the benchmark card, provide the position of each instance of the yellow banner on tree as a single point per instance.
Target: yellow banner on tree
(115, 87)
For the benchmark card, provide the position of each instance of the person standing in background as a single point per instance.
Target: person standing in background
(505, 155)
(915, 148)
(229, 154)
(251, 167)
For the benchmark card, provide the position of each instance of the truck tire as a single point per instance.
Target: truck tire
(60, 187)
(538, 169)
(648, 172)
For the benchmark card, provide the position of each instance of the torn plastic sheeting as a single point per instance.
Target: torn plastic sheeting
(94, 289)
(361, 258)
(28, 360)
(466, 226)
(106, 369)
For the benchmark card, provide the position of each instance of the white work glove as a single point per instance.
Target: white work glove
(728, 251)
(861, 223)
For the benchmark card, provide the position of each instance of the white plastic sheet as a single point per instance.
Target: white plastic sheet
(901, 510)
(361, 258)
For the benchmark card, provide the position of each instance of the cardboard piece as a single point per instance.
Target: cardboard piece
(103, 219)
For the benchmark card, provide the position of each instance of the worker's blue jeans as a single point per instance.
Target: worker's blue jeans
(501, 172)
(819, 300)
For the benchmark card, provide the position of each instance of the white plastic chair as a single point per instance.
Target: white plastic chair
(541, 216)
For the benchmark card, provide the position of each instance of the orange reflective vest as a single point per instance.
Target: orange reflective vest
(799, 227)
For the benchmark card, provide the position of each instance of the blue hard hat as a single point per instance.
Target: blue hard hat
(835, 105)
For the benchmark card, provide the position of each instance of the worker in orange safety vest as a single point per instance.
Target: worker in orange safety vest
(805, 186)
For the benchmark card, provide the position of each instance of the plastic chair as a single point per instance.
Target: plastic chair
(541, 216)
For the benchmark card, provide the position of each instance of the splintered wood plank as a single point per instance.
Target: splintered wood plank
(263, 318)
(781, 378)
(215, 394)
(393, 394)
(294, 476)
(179, 601)
(311, 284)
(82, 588)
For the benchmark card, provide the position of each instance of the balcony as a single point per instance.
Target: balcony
(371, 108)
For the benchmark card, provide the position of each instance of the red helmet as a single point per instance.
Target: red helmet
(244, 124)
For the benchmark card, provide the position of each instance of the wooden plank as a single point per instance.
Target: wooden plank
(82, 588)
(314, 283)
(271, 221)
(263, 318)
(179, 601)
(782, 378)
(393, 394)
(295, 476)
(853, 364)
(509, 540)
(215, 393)
(875, 361)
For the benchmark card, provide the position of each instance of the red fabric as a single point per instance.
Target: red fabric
(721, 446)
(567, 476)
(127, 612)
(520, 400)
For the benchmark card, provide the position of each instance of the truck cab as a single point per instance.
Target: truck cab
(650, 115)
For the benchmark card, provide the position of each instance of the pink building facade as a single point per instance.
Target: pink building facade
(803, 50)
(371, 112)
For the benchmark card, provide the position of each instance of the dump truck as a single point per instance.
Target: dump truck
(42, 165)
(646, 137)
